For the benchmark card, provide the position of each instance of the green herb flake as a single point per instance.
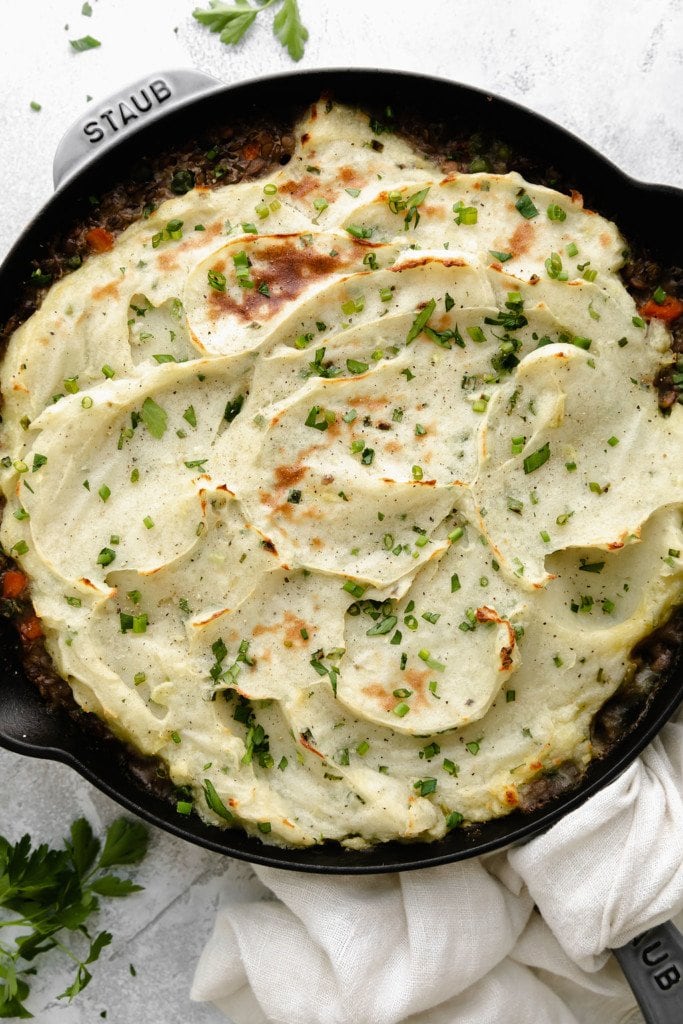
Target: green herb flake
(217, 280)
(537, 459)
(525, 206)
(420, 321)
(84, 43)
(154, 418)
(215, 803)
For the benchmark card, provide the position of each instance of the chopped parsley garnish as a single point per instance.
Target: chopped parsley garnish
(537, 459)
(233, 408)
(154, 418)
(501, 257)
(318, 418)
(525, 206)
(595, 567)
(425, 786)
(182, 181)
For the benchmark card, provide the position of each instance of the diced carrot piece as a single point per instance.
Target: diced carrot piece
(99, 239)
(669, 310)
(13, 583)
(251, 151)
(31, 627)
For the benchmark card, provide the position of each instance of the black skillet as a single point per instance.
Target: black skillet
(172, 106)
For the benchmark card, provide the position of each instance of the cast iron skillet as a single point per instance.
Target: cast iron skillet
(102, 147)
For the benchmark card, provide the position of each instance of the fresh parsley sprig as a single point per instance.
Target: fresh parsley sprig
(233, 20)
(46, 892)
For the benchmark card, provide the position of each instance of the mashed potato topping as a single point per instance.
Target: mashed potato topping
(346, 492)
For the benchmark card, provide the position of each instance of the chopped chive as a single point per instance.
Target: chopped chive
(420, 321)
(424, 655)
(383, 626)
(556, 212)
(104, 492)
(356, 231)
(401, 710)
(355, 589)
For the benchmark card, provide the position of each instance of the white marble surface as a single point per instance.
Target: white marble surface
(610, 70)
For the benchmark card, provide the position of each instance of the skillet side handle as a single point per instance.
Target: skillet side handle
(122, 113)
(653, 965)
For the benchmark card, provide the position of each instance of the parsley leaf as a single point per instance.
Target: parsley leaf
(154, 417)
(289, 30)
(45, 892)
(233, 20)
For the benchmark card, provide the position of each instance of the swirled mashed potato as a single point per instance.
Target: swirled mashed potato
(356, 495)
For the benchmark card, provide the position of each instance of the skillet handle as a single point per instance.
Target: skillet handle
(653, 965)
(125, 112)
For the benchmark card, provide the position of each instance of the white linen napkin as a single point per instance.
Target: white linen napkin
(463, 943)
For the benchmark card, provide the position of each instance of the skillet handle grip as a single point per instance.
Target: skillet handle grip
(653, 965)
(123, 113)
